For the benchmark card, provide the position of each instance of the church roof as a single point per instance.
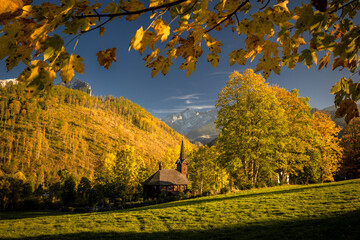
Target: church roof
(166, 177)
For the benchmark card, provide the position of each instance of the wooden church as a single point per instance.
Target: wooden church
(171, 181)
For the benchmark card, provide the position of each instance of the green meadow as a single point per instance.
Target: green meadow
(319, 211)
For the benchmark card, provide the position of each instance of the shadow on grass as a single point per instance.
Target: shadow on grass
(344, 226)
(30, 214)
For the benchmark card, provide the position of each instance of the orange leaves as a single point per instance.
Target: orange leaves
(324, 60)
(106, 57)
(349, 108)
(11, 8)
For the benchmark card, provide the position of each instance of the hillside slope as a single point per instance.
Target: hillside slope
(321, 211)
(70, 129)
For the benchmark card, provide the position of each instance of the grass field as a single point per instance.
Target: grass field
(321, 211)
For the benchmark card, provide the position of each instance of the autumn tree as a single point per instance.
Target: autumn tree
(251, 123)
(205, 171)
(350, 140)
(293, 151)
(268, 134)
(273, 33)
(328, 145)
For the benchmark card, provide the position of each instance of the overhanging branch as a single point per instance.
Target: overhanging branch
(112, 15)
(228, 16)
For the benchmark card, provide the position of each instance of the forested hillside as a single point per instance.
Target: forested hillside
(68, 129)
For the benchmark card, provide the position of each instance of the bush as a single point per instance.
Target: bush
(245, 185)
(224, 190)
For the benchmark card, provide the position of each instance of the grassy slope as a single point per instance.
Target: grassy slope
(322, 211)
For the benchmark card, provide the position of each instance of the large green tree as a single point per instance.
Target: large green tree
(252, 126)
(269, 134)
(273, 31)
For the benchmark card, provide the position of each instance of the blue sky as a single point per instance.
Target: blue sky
(175, 92)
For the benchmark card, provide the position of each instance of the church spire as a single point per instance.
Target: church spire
(182, 152)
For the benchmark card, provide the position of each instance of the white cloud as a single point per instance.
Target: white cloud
(182, 108)
(184, 97)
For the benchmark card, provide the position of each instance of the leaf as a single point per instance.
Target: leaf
(324, 61)
(112, 8)
(162, 29)
(51, 45)
(156, 65)
(74, 62)
(132, 6)
(77, 64)
(136, 41)
(189, 65)
(10, 9)
(213, 58)
(106, 57)
(349, 108)
(38, 76)
(306, 56)
(336, 88)
(102, 30)
(237, 56)
(338, 62)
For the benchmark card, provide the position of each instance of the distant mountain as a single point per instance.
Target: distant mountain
(197, 126)
(77, 84)
(5, 82)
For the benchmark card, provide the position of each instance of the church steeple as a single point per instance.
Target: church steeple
(182, 163)
(182, 151)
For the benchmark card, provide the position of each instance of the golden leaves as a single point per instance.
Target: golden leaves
(189, 65)
(162, 29)
(106, 57)
(11, 8)
(213, 58)
(74, 62)
(349, 108)
(37, 76)
(132, 6)
(268, 65)
(136, 41)
(324, 61)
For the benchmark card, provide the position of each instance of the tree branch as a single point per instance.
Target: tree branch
(98, 26)
(345, 5)
(112, 15)
(228, 16)
(265, 5)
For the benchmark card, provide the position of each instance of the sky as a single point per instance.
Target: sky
(173, 93)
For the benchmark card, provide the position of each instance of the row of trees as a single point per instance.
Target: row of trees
(118, 178)
(270, 136)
